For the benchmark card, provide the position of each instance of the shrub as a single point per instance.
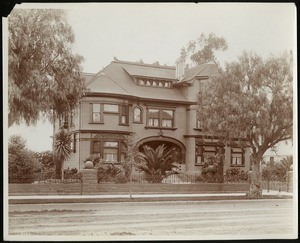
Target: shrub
(21, 162)
(232, 174)
(71, 173)
(110, 173)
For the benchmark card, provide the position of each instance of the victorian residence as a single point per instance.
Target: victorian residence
(157, 103)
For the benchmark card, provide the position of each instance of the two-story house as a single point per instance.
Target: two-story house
(157, 103)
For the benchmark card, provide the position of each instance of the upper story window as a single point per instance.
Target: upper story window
(137, 115)
(124, 111)
(96, 113)
(160, 117)
(237, 157)
(111, 108)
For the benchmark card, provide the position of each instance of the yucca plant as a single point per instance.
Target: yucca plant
(156, 164)
(62, 150)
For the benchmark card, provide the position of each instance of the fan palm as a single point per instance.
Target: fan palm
(62, 149)
(156, 163)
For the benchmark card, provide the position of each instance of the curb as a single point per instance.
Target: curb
(136, 198)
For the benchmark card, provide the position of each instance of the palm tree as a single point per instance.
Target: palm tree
(62, 150)
(156, 163)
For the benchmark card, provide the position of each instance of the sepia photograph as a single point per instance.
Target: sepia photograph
(150, 121)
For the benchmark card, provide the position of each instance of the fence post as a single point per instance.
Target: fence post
(289, 181)
(89, 179)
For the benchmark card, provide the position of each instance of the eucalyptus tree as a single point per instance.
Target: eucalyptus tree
(44, 73)
(251, 98)
(203, 49)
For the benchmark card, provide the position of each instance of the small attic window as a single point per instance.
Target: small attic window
(160, 84)
(141, 82)
(148, 83)
(167, 84)
(154, 83)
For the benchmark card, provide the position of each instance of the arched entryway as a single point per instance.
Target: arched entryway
(155, 141)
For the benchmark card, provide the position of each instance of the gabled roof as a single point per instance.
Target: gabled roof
(204, 70)
(118, 78)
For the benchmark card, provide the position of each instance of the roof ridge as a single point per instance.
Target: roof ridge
(199, 65)
(144, 64)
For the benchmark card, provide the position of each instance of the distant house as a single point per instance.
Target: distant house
(283, 150)
(156, 102)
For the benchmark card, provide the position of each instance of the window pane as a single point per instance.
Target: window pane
(153, 113)
(96, 107)
(166, 123)
(153, 122)
(167, 114)
(110, 155)
(96, 147)
(137, 114)
(96, 117)
(210, 148)
(111, 108)
(111, 144)
(123, 119)
(199, 160)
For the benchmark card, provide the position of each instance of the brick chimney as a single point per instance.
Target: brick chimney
(180, 68)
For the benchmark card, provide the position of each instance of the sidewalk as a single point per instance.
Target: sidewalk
(38, 199)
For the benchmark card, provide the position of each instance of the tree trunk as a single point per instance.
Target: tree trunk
(255, 190)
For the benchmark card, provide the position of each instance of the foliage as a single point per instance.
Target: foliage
(43, 72)
(110, 173)
(278, 171)
(131, 151)
(156, 164)
(62, 149)
(203, 49)
(251, 98)
(20, 161)
(212, 169)
(235, 175)
(45, 159)
(71, 173)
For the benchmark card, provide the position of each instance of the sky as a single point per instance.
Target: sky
(157, 32)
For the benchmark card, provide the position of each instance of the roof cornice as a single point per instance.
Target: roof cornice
(133, 97)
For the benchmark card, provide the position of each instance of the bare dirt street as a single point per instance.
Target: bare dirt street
(243, 218)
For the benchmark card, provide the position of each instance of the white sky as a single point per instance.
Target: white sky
(157, 32)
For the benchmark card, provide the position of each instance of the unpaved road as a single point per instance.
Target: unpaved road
(220, 219)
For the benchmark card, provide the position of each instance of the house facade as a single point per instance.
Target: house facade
(158, 104)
